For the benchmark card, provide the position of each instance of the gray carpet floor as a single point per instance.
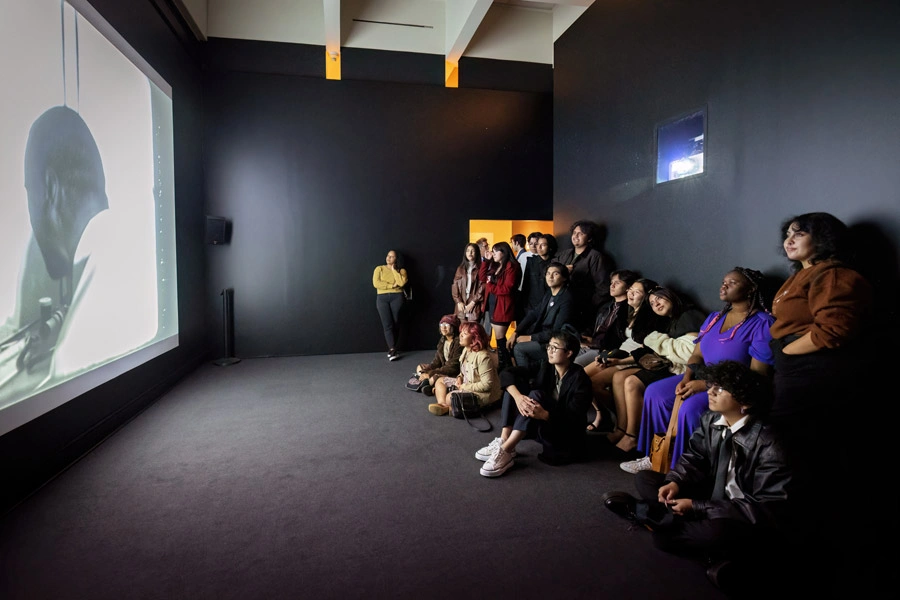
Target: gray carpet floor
(322, 477)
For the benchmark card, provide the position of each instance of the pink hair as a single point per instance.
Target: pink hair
(480, 339)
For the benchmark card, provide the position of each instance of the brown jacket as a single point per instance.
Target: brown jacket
(458, 291)
(827, 299)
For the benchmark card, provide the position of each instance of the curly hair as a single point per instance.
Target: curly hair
(480, 340)
(828, 234)
(588, 228)
(748, 387)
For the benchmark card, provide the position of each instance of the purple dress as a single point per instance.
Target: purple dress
(740, 343)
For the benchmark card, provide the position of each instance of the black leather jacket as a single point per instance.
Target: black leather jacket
(761, 472)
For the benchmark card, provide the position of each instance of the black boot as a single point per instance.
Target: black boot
(503, 361)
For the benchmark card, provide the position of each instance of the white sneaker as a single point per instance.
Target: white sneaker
(486, 452)
(499, 462)
(635, 466)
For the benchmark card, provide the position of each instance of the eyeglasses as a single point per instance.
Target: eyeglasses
(552, 348)
(715, 389)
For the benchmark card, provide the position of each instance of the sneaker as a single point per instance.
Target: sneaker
(394, 355)
(499, 462)
(635, 466)
(485, 453)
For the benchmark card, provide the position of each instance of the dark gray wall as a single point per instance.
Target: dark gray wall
(802, 116)
(32, 453)
(321, 178)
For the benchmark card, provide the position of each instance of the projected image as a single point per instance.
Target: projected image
(87, 268)
(680, 149)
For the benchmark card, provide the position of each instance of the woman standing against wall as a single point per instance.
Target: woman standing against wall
(819, 378)
(501, 275)
(467, 290)
(389, 280)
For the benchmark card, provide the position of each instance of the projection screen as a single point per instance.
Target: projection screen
(87, 218)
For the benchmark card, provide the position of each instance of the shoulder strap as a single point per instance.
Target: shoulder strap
(671, 432)
(476, 427)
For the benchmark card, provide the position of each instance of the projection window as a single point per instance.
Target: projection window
(680, 147)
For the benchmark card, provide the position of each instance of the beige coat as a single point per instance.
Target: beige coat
(479, 372)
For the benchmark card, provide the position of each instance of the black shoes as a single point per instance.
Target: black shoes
(393, 355)
(621, 503)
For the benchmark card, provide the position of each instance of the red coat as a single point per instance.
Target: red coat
(503, 286)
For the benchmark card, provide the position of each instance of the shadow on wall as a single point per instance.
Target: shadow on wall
(876, 259)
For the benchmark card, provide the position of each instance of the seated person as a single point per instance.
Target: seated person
(446, 358)
(674, 343)
(729, 489)
(554, 410)
(740, 331)
(619, 282)
(477, 371)
(554, 311)
(614, 363)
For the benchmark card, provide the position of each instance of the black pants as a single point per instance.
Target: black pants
(389, 306)
(816, 396)
(718, 539)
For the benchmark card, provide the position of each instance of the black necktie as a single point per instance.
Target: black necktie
(722, 462)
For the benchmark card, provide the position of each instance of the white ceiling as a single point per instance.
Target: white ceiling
(517, 30)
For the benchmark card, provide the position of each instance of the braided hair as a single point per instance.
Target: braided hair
(755, 300)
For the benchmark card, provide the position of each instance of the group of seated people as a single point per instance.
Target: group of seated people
(760, 371)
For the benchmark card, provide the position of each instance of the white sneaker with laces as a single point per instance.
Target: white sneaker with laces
(499, 462)
(637, 465)
(486, 452)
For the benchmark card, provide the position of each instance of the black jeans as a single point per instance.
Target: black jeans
(389, 306)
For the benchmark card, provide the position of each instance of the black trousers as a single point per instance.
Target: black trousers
(717, 539)
(389, 306)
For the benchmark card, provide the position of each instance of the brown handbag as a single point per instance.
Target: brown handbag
(661, 445)
(654, 362)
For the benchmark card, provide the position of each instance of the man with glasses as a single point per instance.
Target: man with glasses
(553, 411)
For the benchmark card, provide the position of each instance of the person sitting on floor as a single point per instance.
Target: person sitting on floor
(446, 358)
(554, 311)
(554, 410)
(729, 490)
(478, 374)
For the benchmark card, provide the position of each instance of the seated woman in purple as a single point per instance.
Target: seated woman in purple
(738, 332)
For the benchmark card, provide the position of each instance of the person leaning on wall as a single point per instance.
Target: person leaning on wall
(389, 280)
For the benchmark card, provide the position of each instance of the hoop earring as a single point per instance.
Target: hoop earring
(743, 410)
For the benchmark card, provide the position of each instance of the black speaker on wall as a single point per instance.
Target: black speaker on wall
(216, 230)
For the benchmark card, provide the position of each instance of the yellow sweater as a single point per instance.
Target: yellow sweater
(388, 281)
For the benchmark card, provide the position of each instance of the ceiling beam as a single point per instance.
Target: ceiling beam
(332, 12)
(462, 20)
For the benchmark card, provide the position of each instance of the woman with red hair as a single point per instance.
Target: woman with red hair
(478, 375)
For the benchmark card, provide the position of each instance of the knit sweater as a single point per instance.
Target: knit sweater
(388, 281)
